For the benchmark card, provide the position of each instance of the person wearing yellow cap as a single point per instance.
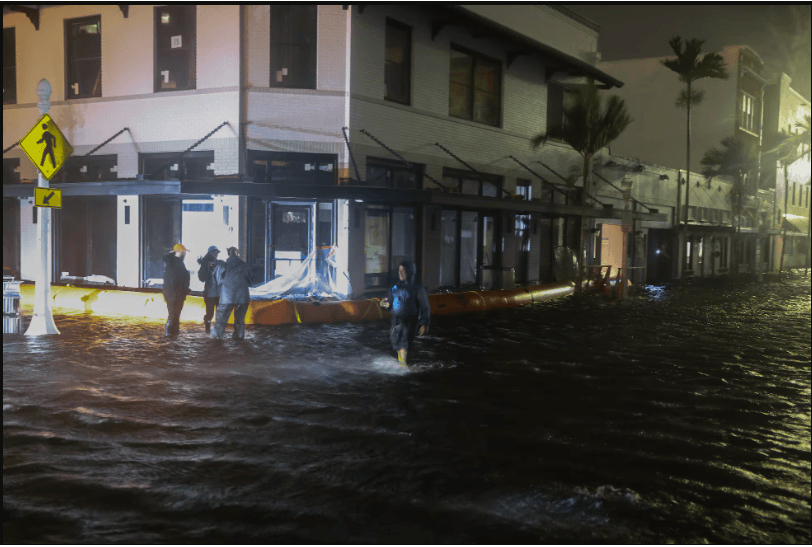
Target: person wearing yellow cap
(175, 287)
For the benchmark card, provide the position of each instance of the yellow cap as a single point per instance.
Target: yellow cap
(180, 247)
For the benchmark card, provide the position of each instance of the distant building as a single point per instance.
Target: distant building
(741, 106)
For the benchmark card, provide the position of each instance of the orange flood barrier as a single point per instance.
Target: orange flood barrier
(277, 312)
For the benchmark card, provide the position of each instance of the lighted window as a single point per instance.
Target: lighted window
(9, 66)
(398, 59)
(83, 77)
(175, 48)
(747, 112)
(474, 91)
(524, 188)
(293, 46)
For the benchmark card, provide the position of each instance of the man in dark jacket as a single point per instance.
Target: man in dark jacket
(409, 308)
(234, 278)
(175, 287)
(211, 290)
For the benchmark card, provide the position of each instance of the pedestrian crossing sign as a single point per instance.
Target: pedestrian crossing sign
(46, 147)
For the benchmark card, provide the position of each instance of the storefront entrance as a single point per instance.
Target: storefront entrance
(292, 236)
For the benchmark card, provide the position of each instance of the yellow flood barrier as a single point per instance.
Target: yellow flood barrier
(100, 301)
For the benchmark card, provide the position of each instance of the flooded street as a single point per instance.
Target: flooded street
(678, 416)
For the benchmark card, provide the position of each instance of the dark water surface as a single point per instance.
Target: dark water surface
(678, 416)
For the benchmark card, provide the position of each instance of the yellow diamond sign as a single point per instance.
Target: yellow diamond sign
(46, 147)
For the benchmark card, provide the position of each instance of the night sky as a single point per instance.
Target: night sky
(779, 33)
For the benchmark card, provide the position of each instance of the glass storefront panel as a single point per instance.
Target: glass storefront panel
(324, 231)
(258, 230)
(87, 237)
(376, 245)
(161, 221)
(468, 254)
(402, 236)
(448, 248)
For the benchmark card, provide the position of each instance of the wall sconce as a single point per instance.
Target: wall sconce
(664, 177)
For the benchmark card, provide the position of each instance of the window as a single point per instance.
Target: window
(293, 46)
(397, 72)
(83, 58)
(160, 231)
(524, 188)
(692, 213)
(469, 183)
(559, 99)
(163, 166)
(292, 167)
(9, 66)
(175, 44)
(747, 117)
(474, 91)
(10, 174)
(389, 239)
(386, 174)
(86, 236)
(88, 169)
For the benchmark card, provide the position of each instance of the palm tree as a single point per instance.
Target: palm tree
(588, 128)
(690, 68)
(735, 159)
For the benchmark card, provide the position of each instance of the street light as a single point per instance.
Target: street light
(626, 188)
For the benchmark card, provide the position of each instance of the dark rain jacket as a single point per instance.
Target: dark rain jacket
(234, 278)
(409, 301)
(205, 274)
(176, 279)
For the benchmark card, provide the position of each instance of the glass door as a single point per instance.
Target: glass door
(290, 237)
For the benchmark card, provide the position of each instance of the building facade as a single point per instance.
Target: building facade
(385, 132)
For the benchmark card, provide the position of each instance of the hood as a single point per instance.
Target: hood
(411, 270)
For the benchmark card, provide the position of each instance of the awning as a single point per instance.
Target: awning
(791, 227)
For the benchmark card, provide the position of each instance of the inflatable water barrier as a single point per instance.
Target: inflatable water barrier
(277, 312)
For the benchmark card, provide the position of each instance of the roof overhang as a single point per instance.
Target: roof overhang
(555, 60)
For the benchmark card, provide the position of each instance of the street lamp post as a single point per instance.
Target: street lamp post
(43, 320)
(626, 188)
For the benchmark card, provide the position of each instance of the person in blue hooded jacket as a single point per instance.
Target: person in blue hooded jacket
(408, 303)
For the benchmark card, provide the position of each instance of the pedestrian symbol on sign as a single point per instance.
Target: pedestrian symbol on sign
(49, 140)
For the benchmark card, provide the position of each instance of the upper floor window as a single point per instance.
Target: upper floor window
(83, 58)
(387, 174)
(88, 169)
(9, 66)
(474, 90)
(165, 165)
(292, 167)
(10, 173)
(175, 44)
(747, 112)
(559, 99)
(524, 188)
(469, 183)
(293, 45)
(397, 72)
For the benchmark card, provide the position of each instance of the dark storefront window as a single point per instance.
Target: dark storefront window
(11, 237)
(293, 45)
(192, 166)
(87, 237)
(83, 58)
(9, 66)
(324, 228)
(387, 174)
(88, 169)
(398, 60)
(474, 91)
(161, 231)
(448, 248)
(258, 230)
(175, 46)
(292, 167)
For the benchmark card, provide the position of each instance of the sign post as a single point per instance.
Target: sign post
(47, 148)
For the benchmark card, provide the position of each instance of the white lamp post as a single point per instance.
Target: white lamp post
(43, 320)
(626, 188)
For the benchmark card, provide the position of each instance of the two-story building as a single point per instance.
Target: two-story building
(385, 132)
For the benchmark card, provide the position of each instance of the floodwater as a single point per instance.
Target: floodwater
(678, 416)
